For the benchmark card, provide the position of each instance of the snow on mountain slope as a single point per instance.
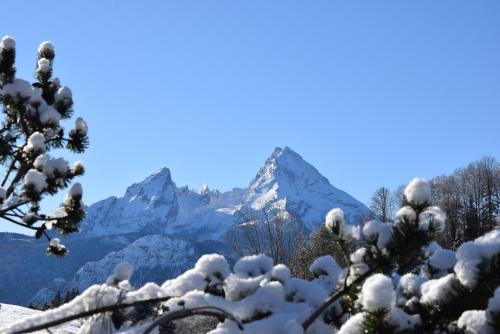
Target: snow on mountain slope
(146, 207)
(12, 313)
(49, 293)
(307, 193)
(154, 258)
(156, 205)
(209, 211)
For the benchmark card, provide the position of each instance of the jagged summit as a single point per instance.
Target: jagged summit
(153, 185)
(284, 163)
(288, 178)
(146, 207)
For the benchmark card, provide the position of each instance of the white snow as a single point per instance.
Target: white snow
(334, 220)
(432, 247)
(418, 191)
(8, 43)
(44, 65)
(377, 293)
(35, 179)
(293, 327)
(57, 213)
(405, 213)
(95, 297)
(402, 320)
(12, 313)
(436, 291)
(353, 325)
(123, 272)
(74, 192)
(46, 46)
(210, 264)
(147, 291)
(81, 126)
(442, 259)
(310, 292)
(56, 244)
(19, 88)
(335, 223)
(36, 143)
(478, 321)
(63, 94)
(77, 165)
(432, 215)
(494, 302)
(49, 116)
(381, 231)
(51, 166)
(409, 284)
(325, 269)
(237, 288)
(253, 265)
(190, 280)
(473, 322)
(280, 273)
(471, 254)
(358, 267)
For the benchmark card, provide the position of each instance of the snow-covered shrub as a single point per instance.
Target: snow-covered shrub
(398, 281)
(30, 129)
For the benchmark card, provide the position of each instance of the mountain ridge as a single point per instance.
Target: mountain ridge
(177, 216)
(157, 205)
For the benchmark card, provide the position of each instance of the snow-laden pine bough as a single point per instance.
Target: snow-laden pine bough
(398, 281)
(31, 128)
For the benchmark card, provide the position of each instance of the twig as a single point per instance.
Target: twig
(13, 207)
(18, 223)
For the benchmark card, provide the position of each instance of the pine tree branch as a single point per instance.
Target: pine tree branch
(88, 313)
(19, 223)
(184, 313)
(20, 174)
(14, 206)
(342, 291)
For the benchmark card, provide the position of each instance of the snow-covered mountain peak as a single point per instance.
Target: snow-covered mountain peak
(307, 194)
(284, 165)
(147, 206)
(153, 186)
(156, 205)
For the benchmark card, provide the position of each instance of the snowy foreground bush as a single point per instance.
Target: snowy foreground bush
(399, 280)
(31, 127)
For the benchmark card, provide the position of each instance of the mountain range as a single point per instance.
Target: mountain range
(161, 229)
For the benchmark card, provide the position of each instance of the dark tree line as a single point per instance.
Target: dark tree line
(470, 197)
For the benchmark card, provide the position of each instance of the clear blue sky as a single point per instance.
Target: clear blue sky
(370, 92)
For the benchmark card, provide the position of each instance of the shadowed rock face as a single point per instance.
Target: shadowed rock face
(154, 217)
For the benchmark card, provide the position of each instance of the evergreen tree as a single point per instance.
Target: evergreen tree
(31, 128)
